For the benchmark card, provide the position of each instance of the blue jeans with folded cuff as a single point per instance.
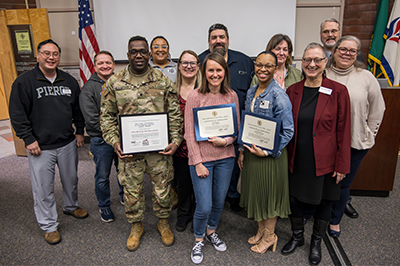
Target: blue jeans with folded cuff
(103, 157)
(210, 193)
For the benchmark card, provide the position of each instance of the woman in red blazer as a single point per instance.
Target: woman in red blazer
(319, 152)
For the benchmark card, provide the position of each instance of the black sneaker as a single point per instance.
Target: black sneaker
(234, 203)
(197, 252)
(180, 226)
(216, 241)
(106, 214)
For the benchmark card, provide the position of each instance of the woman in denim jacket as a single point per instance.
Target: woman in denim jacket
(264, 188)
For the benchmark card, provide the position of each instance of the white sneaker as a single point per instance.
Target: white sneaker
(216, 241)
(197, 253)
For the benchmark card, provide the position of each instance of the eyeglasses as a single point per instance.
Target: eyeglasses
(343, 50)
(326, 32)
(193, 64)
(317, 61)
(267, 66)
(158, 46)
(143, 52)
(48, 54)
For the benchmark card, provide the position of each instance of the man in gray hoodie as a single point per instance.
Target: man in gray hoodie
(103, 153)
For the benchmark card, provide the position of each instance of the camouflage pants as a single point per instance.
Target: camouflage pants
(131, 172)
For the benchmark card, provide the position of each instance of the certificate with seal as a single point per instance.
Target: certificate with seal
(261, 130)
(141, 133)
(215, 121)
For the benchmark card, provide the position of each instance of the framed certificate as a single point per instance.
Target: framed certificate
(215, 121)
(261, 130)
(142, 133)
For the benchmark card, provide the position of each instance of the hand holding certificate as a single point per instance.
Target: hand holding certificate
(261, 130)
(144, 132)
(215, 121)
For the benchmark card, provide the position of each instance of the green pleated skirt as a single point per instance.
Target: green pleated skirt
(265, 186)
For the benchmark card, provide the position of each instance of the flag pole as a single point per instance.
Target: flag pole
(374, 68)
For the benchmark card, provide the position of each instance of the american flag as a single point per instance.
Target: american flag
(88, 46)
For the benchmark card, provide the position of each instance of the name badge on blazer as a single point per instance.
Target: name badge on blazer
(264, 104)
(324, 90)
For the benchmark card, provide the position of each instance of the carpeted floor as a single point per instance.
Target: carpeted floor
(372, 239)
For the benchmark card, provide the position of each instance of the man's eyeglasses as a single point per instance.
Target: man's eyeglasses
(143, 52)
(343, 50)
(317, 61)
(326, 32)
(158, 46)
(267, 66)
(193, 64)
(48, 54)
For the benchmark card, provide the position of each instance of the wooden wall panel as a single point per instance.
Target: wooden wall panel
(16, 4)
(39, 22)
(17, 17)
(377, 170)
(40, 25)
(3, 100)
(6, 55)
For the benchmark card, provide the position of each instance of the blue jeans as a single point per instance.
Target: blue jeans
(103, 156)
(210, 193)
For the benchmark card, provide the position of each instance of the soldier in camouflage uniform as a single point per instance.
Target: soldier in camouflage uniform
(139, 89)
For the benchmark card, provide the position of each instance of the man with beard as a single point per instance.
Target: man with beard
(140, 89)
(241, 69)
(329, 34)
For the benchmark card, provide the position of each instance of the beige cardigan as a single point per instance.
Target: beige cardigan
(367, 104)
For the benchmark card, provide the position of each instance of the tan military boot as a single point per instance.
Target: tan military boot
(137, 232)
(167, 238)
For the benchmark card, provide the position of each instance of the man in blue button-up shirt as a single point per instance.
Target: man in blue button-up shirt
(241, 70)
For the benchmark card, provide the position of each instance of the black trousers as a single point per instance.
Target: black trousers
(184, 188)
(322, 210)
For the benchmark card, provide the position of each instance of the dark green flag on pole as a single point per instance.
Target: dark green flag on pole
(377, 40)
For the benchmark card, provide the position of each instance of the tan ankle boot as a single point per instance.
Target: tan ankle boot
(136, 234)
(167, 238)
(269, 239)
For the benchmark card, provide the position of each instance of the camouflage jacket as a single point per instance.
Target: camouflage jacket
(121, 96)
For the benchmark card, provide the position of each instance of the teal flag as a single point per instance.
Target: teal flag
(377, 39)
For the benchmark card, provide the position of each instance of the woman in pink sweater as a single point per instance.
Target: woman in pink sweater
(211, 162)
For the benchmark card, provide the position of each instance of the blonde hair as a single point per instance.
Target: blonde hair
(178, 82)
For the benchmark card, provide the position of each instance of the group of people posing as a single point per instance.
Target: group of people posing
(330, 113)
